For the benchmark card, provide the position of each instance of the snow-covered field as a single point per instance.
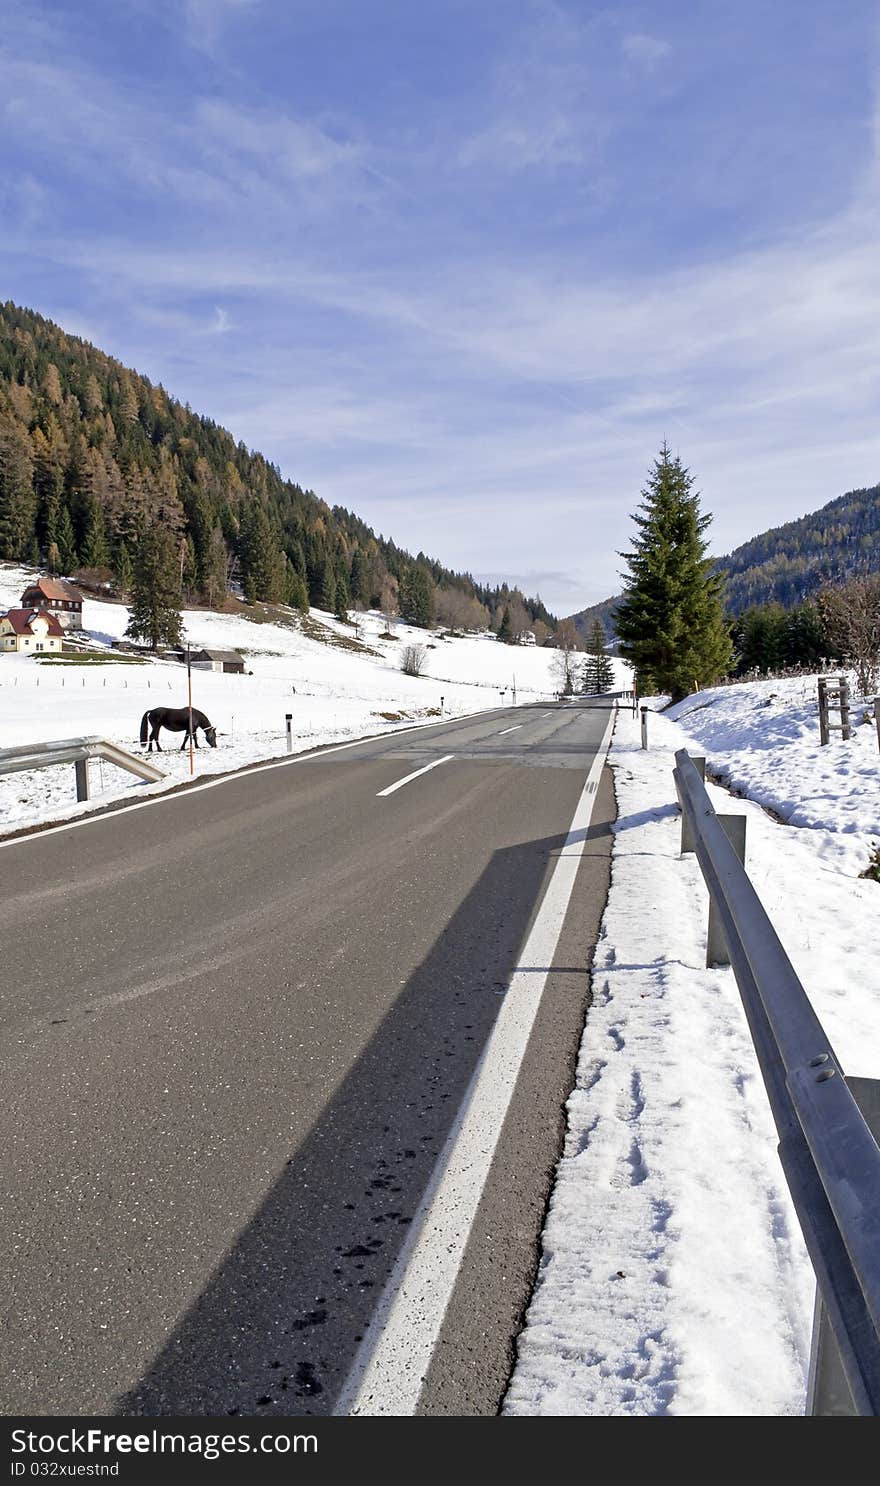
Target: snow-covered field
(333, 693)
(674, 1279)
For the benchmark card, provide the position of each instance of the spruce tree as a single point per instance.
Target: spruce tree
(155, 590)
(327, 600)
(95, 550)
(18, 504)
(343, 596)
(261, 559)
(417, 603)
(65, 541)
(598, 672)
(359, 579)
(298, 594)
(122, 567)
(504, 628)
(671, 621)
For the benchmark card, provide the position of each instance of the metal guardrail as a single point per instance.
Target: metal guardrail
(829, 1156)
(76, 751)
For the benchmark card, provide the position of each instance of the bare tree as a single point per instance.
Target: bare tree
(412, 661)
(850, 616)
(389, 596)
(567, 644)
(520, 619)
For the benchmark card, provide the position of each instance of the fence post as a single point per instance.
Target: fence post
(288, 719)
(824, 736)
(717, 953)
(845, 728)
(644, 727)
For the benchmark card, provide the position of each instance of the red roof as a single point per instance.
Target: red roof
(53, 588)
(20, 619)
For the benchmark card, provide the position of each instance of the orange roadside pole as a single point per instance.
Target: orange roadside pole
(189, 687)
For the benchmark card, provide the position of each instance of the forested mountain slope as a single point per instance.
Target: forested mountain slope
(788, 563)
(92, 453)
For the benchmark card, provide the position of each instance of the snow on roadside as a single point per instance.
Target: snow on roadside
(674, 1279)
(763, 738)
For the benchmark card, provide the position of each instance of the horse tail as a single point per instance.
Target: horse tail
(145, 720)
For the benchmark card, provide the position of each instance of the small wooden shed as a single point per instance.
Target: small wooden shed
(219, 660)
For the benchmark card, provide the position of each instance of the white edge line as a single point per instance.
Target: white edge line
(100, 813)
(509, 730)
(393, 1359)
(415, 774)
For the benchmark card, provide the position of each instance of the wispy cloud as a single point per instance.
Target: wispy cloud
(540, 101)
(645, 51)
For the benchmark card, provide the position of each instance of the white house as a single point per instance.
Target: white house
(30, 632)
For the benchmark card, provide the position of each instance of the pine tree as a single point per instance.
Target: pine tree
(598, 673)
(671, 622)
(18, 505)
(214, 568)
(298, 594)
(155, 590)
(328, 588)
(122, 567)
(343, 596)
(66, 543)
(95, 549)
(359, 579)
(504, 628)
(261, 564)
(417, 597)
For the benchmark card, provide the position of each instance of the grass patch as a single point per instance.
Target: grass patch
(873, 868)
(87, 659)
(317, 631)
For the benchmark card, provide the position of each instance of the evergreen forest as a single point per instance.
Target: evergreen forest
(93, 456)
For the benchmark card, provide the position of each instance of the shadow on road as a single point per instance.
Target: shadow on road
(276, 1327)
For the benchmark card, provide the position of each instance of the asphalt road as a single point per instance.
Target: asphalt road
(237, 1027)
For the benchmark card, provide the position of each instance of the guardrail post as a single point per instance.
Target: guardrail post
(688, 842)
(288, 720)
(644, 727)
(81, 767)
(828, 1393)
(717, 952)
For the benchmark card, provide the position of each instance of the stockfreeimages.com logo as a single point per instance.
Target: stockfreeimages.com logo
(75, 1442)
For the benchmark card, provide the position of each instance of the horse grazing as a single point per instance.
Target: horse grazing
(176, 720)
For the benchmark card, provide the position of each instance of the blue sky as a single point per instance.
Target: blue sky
(462, 266)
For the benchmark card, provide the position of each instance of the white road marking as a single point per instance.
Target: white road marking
(175, 794)
(509, 730)
(393, 1359)
(407, 777)
(547, 714)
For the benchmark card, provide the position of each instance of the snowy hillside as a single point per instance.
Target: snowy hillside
(335, 685)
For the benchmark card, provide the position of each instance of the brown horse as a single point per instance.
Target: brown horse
(176, 720)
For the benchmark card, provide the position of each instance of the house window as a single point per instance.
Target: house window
(39, 645)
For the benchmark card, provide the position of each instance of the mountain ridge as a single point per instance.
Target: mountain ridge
(786, 564)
